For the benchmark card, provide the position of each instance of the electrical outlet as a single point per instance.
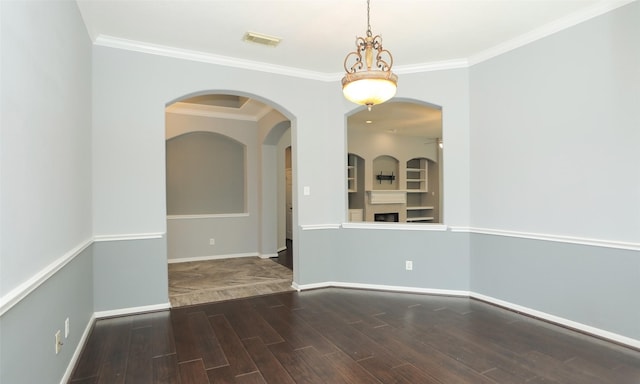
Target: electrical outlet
(66, 328)
(58, 341)
(212, 241)
(408, 265)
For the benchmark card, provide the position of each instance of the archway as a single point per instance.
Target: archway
(397, 173)
(239, 235)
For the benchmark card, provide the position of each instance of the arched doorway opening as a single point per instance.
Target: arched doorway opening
(222, 196)
(395, 163)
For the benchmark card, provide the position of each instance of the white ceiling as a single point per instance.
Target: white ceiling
(317, 35)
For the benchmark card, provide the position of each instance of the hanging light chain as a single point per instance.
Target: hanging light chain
(362, 83)
(368, 20)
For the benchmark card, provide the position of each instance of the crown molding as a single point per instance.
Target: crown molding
(597, 9)
(433, 66)
(563, 23)
(185, 54)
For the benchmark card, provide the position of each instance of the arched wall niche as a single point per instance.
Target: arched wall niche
(205, 173)
(385, 172)
(260, 125)
(387, 139)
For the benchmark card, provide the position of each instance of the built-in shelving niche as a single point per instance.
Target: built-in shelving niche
(420, 205)
(417, 185)
(355, 186)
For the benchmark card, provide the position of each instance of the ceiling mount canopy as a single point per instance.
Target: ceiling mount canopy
(367, 82)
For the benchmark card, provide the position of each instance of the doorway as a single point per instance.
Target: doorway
(285, 255)
(242, 241)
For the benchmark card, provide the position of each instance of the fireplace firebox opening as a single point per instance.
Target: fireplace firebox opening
(389, 217)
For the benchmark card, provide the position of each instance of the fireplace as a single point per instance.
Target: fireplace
(390, 217)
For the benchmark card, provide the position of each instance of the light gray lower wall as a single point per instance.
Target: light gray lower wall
(27, 329)
(189, 238)
(130, 274)
(595, 286)
(314, 256)
(377, 257)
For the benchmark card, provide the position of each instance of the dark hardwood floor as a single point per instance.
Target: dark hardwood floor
(285, 257)
(347, 336)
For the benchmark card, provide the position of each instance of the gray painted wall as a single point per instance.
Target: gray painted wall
(555, 151)
(27, 330)
(318, 137)
(555, 133)
(46, 133)
(533, 113)
(594, 286)
(205, 174)
(128, 274)
(275, 135)
(254, 233)
(377, 257)
(45, 190)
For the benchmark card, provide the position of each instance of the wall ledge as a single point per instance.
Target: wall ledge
(395, 226)
(207, 216)
(547, 237)
(313, 227)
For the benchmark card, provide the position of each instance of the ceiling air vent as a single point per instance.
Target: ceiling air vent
(260, 38)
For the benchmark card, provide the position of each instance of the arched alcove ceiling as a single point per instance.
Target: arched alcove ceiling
(221, 136)
(276, 133)
(221, 105)
(402, 117)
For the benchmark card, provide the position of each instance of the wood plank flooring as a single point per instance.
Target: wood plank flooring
(347, 336)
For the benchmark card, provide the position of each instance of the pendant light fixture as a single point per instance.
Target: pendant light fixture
(367, 82)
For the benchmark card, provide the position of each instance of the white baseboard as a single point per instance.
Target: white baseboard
(379, 287)
(76, 354)
(100, 315)
(267, 255)
(132, 310)
(587, 329)
(213, 257)
(601, 333)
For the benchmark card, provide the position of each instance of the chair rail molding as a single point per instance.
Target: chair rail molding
(18, 293)
(548, 237)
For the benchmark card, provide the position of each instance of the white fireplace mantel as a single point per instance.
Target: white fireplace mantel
(387, 197)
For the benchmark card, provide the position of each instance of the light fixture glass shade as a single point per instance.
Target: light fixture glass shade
(368, 79)
(369, 87)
